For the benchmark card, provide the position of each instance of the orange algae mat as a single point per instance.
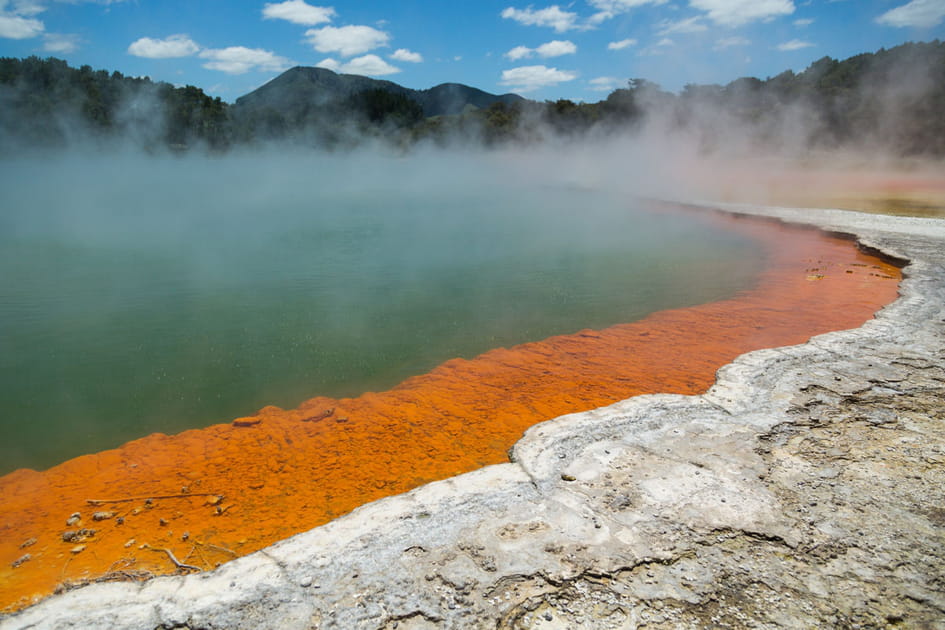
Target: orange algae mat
(209, 495)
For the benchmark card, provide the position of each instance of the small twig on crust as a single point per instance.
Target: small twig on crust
(177, 563)
(164, 496)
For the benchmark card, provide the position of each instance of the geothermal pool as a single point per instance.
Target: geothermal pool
(147, 295)
(463, 259)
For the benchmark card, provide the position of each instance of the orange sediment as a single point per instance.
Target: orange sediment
(212, 494)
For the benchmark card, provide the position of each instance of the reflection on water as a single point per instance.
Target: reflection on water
(178, 293)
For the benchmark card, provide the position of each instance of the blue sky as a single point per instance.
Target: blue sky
(579, 50)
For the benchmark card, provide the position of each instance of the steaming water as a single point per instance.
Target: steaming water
(160, 294)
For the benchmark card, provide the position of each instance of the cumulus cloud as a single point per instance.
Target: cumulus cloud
(519, 52)
(402, 54)
(553, 17)
(173, 46)
(239, 60)
(17, 21)
(17, 27)
(688, 25)
(329, 64)
(623, 43)
(554, 48)
(347, 41)
(605, 84)
(531, 78)
(741, 12)
(60, 43)
(794, 44)
(916, 14)
(367, 65)
(298, 12)
(802, 22)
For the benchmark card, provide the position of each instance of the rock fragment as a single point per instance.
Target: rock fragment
(22, 559)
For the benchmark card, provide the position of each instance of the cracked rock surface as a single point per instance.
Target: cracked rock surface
(805, 489)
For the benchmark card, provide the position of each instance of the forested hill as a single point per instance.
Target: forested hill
(311, 102)
(295, 90)
(45, 102)
(893, 99)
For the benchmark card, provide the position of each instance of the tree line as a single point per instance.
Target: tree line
(892, 98)
(47, 103)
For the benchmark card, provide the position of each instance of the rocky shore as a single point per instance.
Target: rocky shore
(805, 489)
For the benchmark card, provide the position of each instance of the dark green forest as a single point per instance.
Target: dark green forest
(892, 98)
(46, 103)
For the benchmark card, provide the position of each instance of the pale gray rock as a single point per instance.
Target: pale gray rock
(805, 489)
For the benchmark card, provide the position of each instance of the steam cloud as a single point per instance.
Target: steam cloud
(869, 112)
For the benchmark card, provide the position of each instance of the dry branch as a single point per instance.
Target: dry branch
(153, 497)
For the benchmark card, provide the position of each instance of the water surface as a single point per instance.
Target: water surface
(159, 294)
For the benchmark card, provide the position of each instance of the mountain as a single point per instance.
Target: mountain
(299, 90)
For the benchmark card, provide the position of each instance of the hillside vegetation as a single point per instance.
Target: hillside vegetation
(892, 99)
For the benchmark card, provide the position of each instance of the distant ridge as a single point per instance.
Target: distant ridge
(298, 89)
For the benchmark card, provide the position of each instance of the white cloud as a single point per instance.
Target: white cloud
(916, 14)
(16, 27)
(29, 8)
(367, 65)
(402, 54)
(167, 48)
(803, 22)
(25, 7)
(298, 12)
(34, 7)
(519, 52)
(688, 25)
(22, 8)
(659, 48)
(623, 43)
(728, 42)
(346, 40)
(370, 65)
(553, 16)
(606, 84)
(329, 64)
(554, 48)
(60, 43)
(794, 44)
(607, 9)
(621, 6)
(740, 12)
(530, 78)
(239, 59)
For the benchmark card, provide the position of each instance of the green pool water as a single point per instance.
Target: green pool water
(160, 294)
